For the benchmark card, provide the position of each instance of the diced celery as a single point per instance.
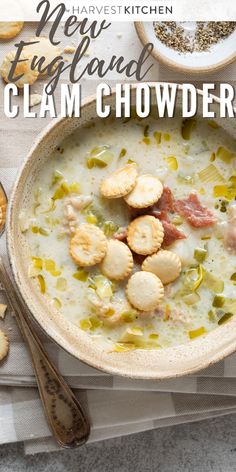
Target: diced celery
(210, 174)
(200, 254)
(213, 124)
(194, 278)
(225, 318)
(232, 181)
(50, 266)
(61, 191)
(191, 298)
(157, 136)
(100, 157)
(91, 219)
(132, 335)
(123, 347)
(37, 262)
(57, 303)
(42, 283)
(212, 316)
(185, 179)
(197, 332)
(167, 312)
(172, 163)
(187, 128)
(85, 324)
(103, 287)
(212, 282)
(95, 323)
(166, 136)
(206, 237)
(81, 275)
(225, 191)
(109, 312)
(230, 305)
(57, 176)
(110, 228)
(75, 188)
(39, 230)
(61, 284)
(218, 301)
(51, 208)
(94, 212)
(123, 153)
(153, 336)
(146, 140)
(129, 316)
(225, 155)
(177, 220)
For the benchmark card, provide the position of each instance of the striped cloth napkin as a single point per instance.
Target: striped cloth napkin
(111, 413)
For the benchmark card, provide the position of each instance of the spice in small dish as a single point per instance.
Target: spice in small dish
(189, 37)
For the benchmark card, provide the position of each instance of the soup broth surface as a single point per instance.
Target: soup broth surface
(188, 157)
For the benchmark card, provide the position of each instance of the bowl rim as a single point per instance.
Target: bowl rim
(143, 37)
(228, 348)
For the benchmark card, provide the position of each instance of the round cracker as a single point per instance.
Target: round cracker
(118, 261)
(147, 191)
(88, 245)
(120, 182)
(165, 264)
(43, 48)
(144, 291)
(145, 235)
(4, 345)
(10, 29)
(29, 76)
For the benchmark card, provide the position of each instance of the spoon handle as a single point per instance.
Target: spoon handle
(63, 411)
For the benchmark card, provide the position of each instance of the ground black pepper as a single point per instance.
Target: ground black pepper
(174, 35)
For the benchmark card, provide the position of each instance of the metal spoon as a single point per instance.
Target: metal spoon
(63, 411)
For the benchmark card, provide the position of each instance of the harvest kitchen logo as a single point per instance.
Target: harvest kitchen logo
(136, 68)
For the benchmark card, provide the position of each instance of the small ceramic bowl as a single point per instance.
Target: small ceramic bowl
(143, 364)
(217, 57)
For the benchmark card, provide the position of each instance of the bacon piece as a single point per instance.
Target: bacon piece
(230, 234)
(160, 210)
(166, 202)
(138, 258)
(171, 233)
(195, 214)
(135, 212)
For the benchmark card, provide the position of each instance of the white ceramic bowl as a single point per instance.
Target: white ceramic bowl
(145, 364)
(217, 57)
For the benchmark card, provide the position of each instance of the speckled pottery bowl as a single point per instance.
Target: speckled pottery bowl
(144, 364)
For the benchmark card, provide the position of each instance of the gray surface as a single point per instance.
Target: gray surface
(208, 446)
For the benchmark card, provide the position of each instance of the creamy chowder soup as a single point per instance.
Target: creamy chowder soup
(174, 198)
